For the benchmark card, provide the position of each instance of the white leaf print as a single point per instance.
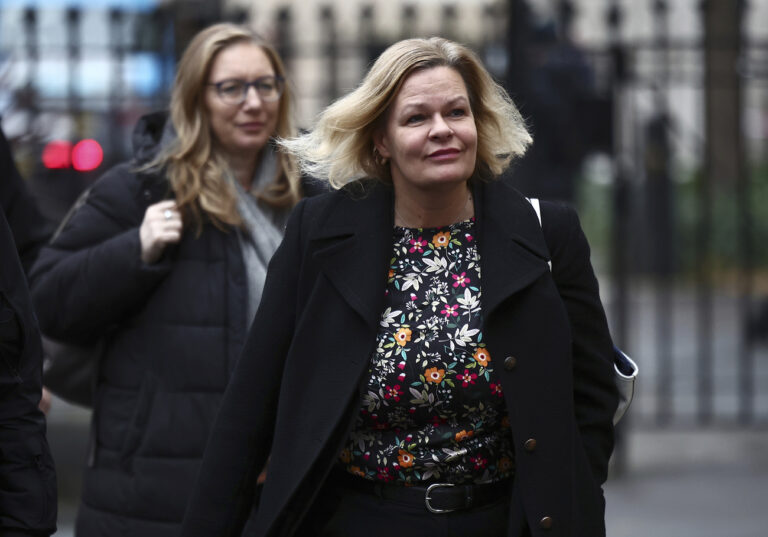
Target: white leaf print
(411, 280)
(388, 317)
(464, 335)
(436, 265)
(469, 301)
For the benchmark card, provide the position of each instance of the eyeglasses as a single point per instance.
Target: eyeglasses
(234, 91)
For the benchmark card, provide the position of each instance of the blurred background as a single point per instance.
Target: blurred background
(650, 116)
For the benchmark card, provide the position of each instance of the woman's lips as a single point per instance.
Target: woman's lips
(252, 126)
(444, 154)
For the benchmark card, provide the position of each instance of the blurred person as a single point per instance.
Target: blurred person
(557, 93)
(165, 262)
(27, 474)
(29, 228)
(414, 367)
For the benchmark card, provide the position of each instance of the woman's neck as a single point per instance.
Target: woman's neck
(415, 209)
(242, 166)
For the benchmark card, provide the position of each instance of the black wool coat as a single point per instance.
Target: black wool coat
(173, 332)
(296, 387)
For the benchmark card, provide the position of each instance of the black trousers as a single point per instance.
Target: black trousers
(340, 511)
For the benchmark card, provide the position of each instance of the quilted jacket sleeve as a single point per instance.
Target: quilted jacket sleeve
(595, 395)
(91, 275)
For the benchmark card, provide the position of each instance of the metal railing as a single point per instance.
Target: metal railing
(675, 236)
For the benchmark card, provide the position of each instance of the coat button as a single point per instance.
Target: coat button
(510, 362)
(546, 523)
(530, 444)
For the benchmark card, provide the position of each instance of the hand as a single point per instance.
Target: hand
(45, 401)
(161, 226)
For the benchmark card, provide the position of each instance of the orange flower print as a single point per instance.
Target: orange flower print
(505, 422)
(345, 456)
(434, 375)
(404, 458)
(441, 240)
(391, 274)
(463, 435)
(355, 470)
(482, 356)
(403, 336)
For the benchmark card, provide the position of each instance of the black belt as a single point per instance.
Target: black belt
(436, 497)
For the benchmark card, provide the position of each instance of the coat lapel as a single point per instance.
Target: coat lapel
(354, 245)
(513, 253)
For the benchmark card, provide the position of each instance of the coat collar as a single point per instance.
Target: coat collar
(513, 252)
(353, 244)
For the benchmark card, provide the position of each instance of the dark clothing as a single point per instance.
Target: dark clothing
(296, 388)
(27, 476)
(29, 227)
(173, 332)
(352, 511)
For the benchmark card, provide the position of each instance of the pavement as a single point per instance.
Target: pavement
(691, 484)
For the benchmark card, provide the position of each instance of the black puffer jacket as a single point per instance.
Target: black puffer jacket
(174, 331)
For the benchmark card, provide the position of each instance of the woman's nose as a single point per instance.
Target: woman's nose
(252, 98)
(440, 128)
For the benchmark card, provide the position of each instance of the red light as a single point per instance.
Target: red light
(56, 154)
(87, 155)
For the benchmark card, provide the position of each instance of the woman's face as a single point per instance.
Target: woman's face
(429, 135)
(246, 127)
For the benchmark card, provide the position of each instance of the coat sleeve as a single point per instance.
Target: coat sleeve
(595, 394)
(30, 228)
(239, 443)
(91, 275)
(27, 475)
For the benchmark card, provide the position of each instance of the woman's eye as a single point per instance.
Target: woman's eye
(232, 88)
(415, 118)
(458, 112)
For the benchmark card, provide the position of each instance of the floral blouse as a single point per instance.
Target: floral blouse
(432, 409)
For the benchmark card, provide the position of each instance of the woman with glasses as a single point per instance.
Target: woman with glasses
(164, 262)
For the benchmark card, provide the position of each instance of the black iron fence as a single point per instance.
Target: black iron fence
(644, 115)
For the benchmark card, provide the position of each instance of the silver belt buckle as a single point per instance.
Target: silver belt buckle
(427, 498)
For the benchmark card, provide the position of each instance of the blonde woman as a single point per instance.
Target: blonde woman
(415, 367)
(166, 261)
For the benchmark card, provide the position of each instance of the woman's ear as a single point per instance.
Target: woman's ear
(380, 143)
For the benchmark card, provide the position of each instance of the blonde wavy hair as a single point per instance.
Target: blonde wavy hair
(340, 149)
(197, 174)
